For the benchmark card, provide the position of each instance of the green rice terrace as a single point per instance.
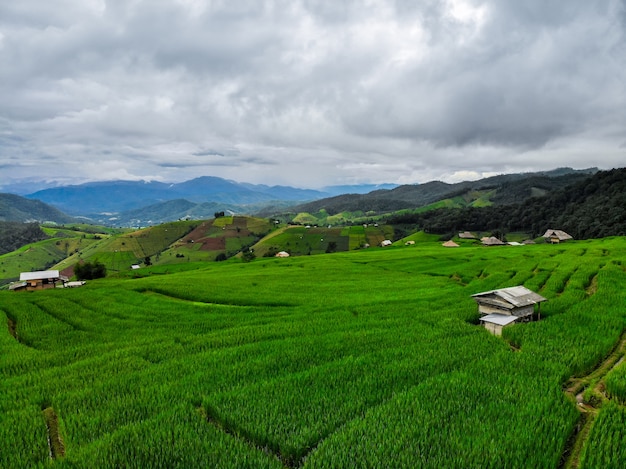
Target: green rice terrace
(358, 359)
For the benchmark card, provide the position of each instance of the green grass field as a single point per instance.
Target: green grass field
(367, 358)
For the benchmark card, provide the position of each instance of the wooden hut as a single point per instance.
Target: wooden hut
(39, 280)
(491, 241)
(500, 308)
(556, 236)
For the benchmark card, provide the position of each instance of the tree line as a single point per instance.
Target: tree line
(593, 208)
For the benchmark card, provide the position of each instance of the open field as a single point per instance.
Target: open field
(368, 358)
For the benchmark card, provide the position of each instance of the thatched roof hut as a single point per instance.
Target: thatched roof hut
(556, 236)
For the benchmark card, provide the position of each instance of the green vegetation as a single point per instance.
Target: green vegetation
(13, 235)
(367, 358)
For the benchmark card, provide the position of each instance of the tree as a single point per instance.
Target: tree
(90, 270)
(248, 256)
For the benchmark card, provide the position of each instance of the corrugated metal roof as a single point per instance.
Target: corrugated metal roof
(42, 274)
(515, 296)
(499, 319)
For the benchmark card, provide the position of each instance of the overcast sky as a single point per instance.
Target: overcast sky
(309, 93)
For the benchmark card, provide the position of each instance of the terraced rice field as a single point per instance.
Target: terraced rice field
(371, 358)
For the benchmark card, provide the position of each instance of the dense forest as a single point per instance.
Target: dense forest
(593, 208)
(14, 235)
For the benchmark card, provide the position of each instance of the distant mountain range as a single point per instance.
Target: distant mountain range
(120, 196)
(132, 203)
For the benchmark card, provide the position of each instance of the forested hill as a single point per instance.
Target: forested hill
(14, 235)
(16, 208)
(502, 189)
(592, 208)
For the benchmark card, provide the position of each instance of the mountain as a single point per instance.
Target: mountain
(120, 196)
(20, 209)
(504, 188)
(592, 207)
(357, 189)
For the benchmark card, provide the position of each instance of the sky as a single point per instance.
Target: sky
(309, 93)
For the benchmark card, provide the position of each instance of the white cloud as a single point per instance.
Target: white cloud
(381, 91)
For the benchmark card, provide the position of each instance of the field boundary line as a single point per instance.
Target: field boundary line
(576, 390)
(55, 442)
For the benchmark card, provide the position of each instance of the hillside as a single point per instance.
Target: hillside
(14, 235)
(591, 208)
(20, 209)
(371, 358)
(504, 189)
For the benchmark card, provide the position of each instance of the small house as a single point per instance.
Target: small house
(556, 236)
(39, 280)
(282, 254)
(491, 241)
(385, 242)
(500, 308)
(409, 243)
(467, 235)
(450, 244)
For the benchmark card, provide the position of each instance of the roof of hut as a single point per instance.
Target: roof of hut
(509, 298)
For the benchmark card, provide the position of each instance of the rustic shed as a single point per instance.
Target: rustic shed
(467, 235)
(491, 241)
(282, 254)
(556, 236)
(450, 244)
(506, 306)
(39, 280)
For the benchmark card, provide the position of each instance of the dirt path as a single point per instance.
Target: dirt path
(589, 394)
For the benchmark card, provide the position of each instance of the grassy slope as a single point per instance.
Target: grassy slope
(360, 359)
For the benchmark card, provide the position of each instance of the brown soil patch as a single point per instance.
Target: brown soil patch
(213, 244)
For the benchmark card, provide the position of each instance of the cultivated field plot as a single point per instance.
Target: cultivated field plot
(370, 358)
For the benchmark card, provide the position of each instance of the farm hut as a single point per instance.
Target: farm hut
(450, 244)
(282, 254)
(491, 241)
(39, 280)
(467, 235)
(556, 236)
(507, 305)
(409, 243)
(385, 242)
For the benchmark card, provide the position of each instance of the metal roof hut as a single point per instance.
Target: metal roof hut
(39, 280)
(556, 236)
(506, 306)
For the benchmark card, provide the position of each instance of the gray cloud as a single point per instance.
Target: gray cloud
(309, 92)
